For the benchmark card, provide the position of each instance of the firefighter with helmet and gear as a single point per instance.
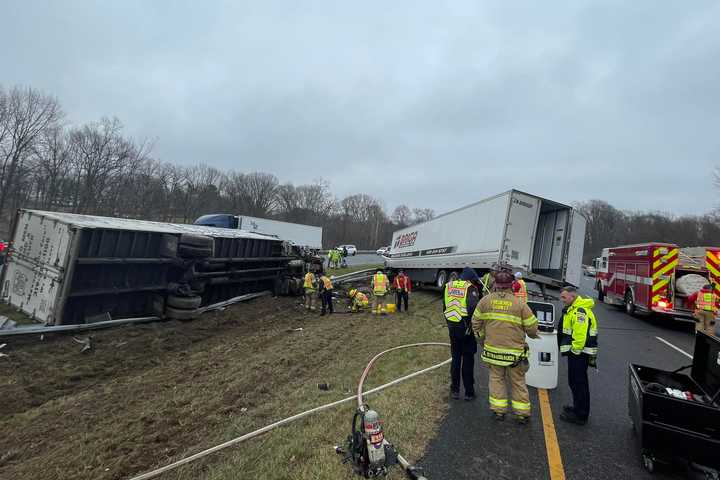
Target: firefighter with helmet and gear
(358, 300)
(579, 343)
(706, 309)
(310, 286)
(519, 287)
(379, 285)
(459, 302)
(502, 320)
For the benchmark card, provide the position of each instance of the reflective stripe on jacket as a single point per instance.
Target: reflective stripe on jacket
(705, 301)
(503, 320)
(580, 328)
(456, 300)
(380, 284)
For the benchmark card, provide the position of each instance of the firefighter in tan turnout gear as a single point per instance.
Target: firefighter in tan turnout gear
(502, 320)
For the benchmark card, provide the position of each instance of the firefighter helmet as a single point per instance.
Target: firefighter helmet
(503, 280)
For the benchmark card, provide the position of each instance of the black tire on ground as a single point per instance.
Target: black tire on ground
(187, 251)
(180, 314)
(441, 279)
(199, 241)
(601, 294)
(184, 303)
(168, 246)
(453, 277)
(629, 303)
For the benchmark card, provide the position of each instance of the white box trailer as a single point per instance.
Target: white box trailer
(65, 268)
(301, 235)
(542, 238)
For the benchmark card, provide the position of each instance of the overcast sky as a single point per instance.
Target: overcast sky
(420, 103)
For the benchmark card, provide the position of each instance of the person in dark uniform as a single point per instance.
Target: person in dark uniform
(459, 302)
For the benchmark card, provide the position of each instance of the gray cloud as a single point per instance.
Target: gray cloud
(427, 104)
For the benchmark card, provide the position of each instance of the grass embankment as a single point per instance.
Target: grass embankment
(14, 314)
(149, 395)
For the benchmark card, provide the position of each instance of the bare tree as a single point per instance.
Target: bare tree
(25, 114)
(402, 216)
(423, 214)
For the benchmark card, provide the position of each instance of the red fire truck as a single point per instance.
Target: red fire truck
(642, 277)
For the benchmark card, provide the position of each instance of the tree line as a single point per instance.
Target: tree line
(94, 168)
(608, 227)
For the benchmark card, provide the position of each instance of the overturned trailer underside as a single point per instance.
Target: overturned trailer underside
(70, 269)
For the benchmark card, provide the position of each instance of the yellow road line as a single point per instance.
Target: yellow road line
(557, 472)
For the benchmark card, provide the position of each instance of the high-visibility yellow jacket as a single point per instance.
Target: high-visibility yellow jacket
(706, 301)
(360, 300)
(309, 281)
(380, 284)
(456, 304)
(580, 328)
(326, 283)
(503, 320)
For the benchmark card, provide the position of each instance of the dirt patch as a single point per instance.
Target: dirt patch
(149, 394)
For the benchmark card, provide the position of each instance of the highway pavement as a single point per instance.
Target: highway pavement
(471, 445)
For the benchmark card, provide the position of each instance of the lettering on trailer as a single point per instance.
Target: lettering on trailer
(406, 240)
(524, 204)
(425, 253)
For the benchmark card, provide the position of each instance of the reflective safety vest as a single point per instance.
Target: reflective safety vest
(705, 301)
(309, 281)
(456, 300)
(522, 293)
(380, 284)
(487, 282)
(327, 284)
(361, 299)
(580, 328)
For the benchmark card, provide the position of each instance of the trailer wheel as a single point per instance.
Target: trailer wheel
(184, 303)
(199, 241)
(194, 252)
(629, 303)
(180, 314)
(453, 277)
(441, 278)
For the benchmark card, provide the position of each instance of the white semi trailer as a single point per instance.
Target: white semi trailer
(307, 236)
(64, 268)
(542, 238)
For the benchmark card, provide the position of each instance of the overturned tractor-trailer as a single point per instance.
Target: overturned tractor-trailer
(67, 268)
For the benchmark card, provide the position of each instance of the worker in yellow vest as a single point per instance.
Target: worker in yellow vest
(358, 300)
(326, 291)
(503, 321)
(519, 288)
(379, 285)
(310, 286)
(706, 310)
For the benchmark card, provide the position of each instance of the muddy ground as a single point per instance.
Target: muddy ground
(149, 394)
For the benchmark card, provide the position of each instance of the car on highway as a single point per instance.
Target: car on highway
(383, 250)
(589, 270)
(351, 249)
